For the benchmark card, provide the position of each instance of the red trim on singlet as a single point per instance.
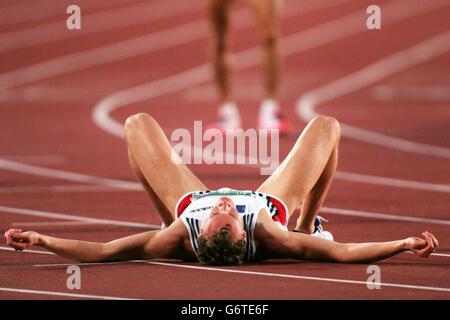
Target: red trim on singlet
(282, 214)
(184, 203)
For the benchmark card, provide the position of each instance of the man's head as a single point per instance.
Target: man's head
(222, 237)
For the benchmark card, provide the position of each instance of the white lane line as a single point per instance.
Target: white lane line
(65, 189)
(52, 265)
(434, 254)
(134, 186)
(404, 286)
(66, 175)
(340, 211)
(64, 294)
(50, 94)
(102, 184)
(400, 61)
(392, 182)
(20, 225)
(289, 276)
(383, 216)
(96, 22)
(410, 93)
(129, 48)
(41, 159)
(2, 248)
(46, 214)
(27, 11)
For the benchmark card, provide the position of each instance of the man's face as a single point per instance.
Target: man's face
(224, 215)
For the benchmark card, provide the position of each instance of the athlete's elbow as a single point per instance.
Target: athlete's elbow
(341, 253)
(106, 253)
(347, 254)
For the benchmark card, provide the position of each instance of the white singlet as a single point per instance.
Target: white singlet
(194, 207)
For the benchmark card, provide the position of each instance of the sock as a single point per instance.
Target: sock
(268, 113)
(229, 115)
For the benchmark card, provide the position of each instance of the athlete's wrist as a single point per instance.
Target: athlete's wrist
(41, 240)
(404, 245)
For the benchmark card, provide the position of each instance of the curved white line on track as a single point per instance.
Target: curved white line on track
(312, 38)
(292, 44)
(63, 294)
(374, 72)
(333, 30)
(243, 63)
(290, 276)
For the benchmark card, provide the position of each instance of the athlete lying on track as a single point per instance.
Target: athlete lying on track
(229, 227)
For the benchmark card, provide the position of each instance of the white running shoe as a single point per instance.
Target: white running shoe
(318, 230)
(229, 118)
(270, 117)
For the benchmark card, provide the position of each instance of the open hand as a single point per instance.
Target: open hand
(422, 247)
(21, 240)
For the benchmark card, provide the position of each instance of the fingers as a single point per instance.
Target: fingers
(19, 246)
(15, 239)
(431, 239)
(431, 244)
(12, 232)
(435, 241)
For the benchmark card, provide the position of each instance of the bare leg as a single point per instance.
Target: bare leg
(316, 196)
(306, 173)
(218, 14)
(150, 155)
(268, 15)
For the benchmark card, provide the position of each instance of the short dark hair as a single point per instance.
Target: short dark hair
(218, 250)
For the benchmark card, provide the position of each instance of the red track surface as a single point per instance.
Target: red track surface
(47, 122)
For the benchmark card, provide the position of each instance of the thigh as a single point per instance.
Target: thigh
(152, 153)
(268, 15)
(218, 11)
(301, 169)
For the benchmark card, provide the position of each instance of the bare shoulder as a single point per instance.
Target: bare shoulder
(172, 242)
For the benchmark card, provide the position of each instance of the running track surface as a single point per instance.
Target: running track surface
(65, 94)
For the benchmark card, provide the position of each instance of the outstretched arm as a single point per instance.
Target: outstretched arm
(144, 245)
(324, 250)
(275, 243)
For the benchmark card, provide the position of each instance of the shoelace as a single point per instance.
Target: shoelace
(318, 224)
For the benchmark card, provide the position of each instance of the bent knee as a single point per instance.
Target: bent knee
(328, 125)
(138, 120)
